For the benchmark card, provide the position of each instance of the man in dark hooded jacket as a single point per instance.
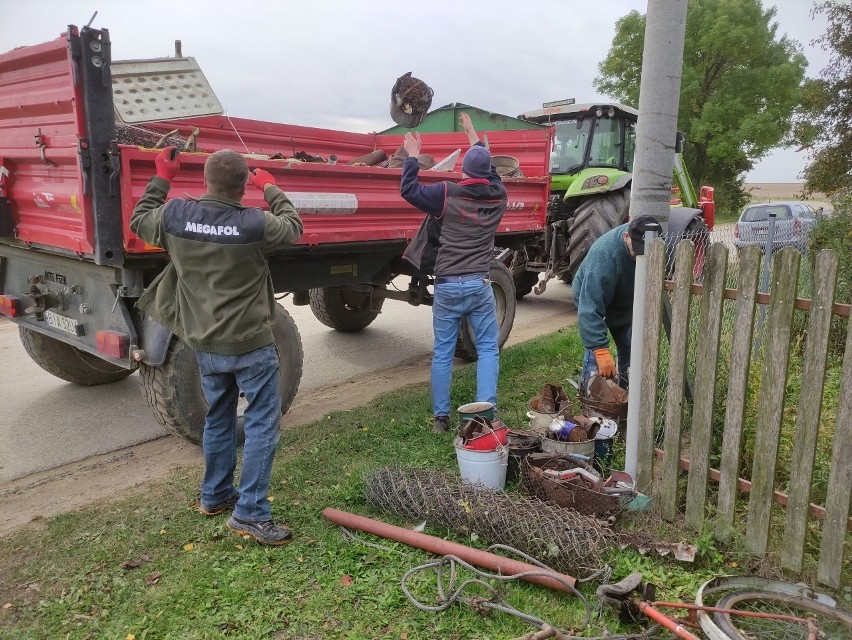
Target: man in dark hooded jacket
(456, 245)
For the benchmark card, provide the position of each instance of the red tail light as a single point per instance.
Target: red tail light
(10, 306)
(113, 343)
(737, 231)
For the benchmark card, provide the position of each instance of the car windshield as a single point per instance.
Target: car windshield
(761, 212)
(569, 145)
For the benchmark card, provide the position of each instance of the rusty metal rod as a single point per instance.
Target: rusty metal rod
(672, 625)
(477, 557)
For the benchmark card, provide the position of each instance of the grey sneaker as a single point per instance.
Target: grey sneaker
(264, 532)
(216, 509)
(441, 424)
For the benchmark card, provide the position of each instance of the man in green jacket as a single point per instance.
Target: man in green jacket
(216, 295)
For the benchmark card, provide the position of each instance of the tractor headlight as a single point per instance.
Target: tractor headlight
(595, 181)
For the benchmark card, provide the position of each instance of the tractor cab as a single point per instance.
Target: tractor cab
(587, 137)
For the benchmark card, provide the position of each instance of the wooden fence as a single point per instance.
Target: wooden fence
(662, 480)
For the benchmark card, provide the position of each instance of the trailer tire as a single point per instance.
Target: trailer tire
(524, 280)
(173, 390)
(592, 219)
(344, 309)
(505, 298)
(69, 363)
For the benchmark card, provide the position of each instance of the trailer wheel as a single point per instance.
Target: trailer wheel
(69, 363)
(593, 218)
(173, 390)
(345, 309)
(524, 280)
(504, 297)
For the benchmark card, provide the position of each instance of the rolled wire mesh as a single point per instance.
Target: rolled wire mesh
(561, 538)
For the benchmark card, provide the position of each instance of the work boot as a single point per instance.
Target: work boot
(265, 532)
(216, 509)
(441, 424)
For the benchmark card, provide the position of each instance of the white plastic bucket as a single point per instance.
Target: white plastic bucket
(487, 468)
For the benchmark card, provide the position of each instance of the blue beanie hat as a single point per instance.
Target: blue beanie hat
(477, 162)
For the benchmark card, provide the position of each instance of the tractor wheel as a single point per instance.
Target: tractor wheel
(173, 390)
(504, 297)
(69, 363)
(592, 219)
(345, 309)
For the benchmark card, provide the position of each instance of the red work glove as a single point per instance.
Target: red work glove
(606, 365)
(261, 178)
(168, 163)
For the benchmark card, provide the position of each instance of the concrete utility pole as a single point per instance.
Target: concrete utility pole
(656, 134)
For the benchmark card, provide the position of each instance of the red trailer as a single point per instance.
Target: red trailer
(71, 270)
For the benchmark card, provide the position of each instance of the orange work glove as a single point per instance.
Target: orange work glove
(606, 365)
(261, 178)
(167, 163)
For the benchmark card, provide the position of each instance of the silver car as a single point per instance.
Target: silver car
(793, 224)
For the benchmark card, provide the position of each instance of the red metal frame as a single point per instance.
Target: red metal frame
(46, 185)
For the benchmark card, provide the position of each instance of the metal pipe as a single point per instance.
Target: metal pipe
(661, 618)
(477, 557)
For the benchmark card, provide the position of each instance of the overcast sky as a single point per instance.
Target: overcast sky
(332, 63)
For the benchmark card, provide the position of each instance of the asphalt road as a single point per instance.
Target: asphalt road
(46, 423)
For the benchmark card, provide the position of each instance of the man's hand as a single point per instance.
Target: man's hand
(167, 163)
(467, 127)
(412, 144)
(606, 365)
(261, 178)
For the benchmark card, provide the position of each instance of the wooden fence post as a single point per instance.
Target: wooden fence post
(810, 406)
(743, 332)
(785, 276)
(706, 362)
(839, 481)
(650, 365)
(682, 298)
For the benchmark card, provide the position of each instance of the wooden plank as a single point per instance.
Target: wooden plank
(650, 365)
(706, 362)
(837, 309)
(779, 497)
(785, 276)
(743, 331)
(682, 298)
(810, 407)
(839, 481)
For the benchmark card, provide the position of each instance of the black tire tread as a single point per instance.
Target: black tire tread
(69, 363)
(592, 219)
(329, 308)
(500, 277)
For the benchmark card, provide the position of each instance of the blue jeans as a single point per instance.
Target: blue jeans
(456, 298)
(621, 336)
(222, 377)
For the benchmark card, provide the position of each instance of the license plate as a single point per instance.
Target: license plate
(63, 323)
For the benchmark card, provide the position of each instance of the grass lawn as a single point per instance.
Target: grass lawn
(147, 565)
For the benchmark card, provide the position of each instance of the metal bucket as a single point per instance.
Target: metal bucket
(539, 421)
(586, 448)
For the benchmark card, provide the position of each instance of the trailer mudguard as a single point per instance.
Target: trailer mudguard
(154, 341)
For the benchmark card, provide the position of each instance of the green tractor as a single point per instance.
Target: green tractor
(591, 169)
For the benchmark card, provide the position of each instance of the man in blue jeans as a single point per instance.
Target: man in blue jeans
(216, 296)
(603, 294)
(456, 244)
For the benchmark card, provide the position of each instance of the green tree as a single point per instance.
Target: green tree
(740, 87)
(823, 124)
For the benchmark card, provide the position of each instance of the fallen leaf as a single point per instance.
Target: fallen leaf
(270, 498)
(188, 546)
(8, 605)
(34, 586)
(153, 578)
(346, 580)
(238, 546)
(420, 527)
(162, 532)
(133, 564)
(265, 569)
(403, 635)
(130, 636)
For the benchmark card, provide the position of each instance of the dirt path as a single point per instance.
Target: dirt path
(76, 485)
